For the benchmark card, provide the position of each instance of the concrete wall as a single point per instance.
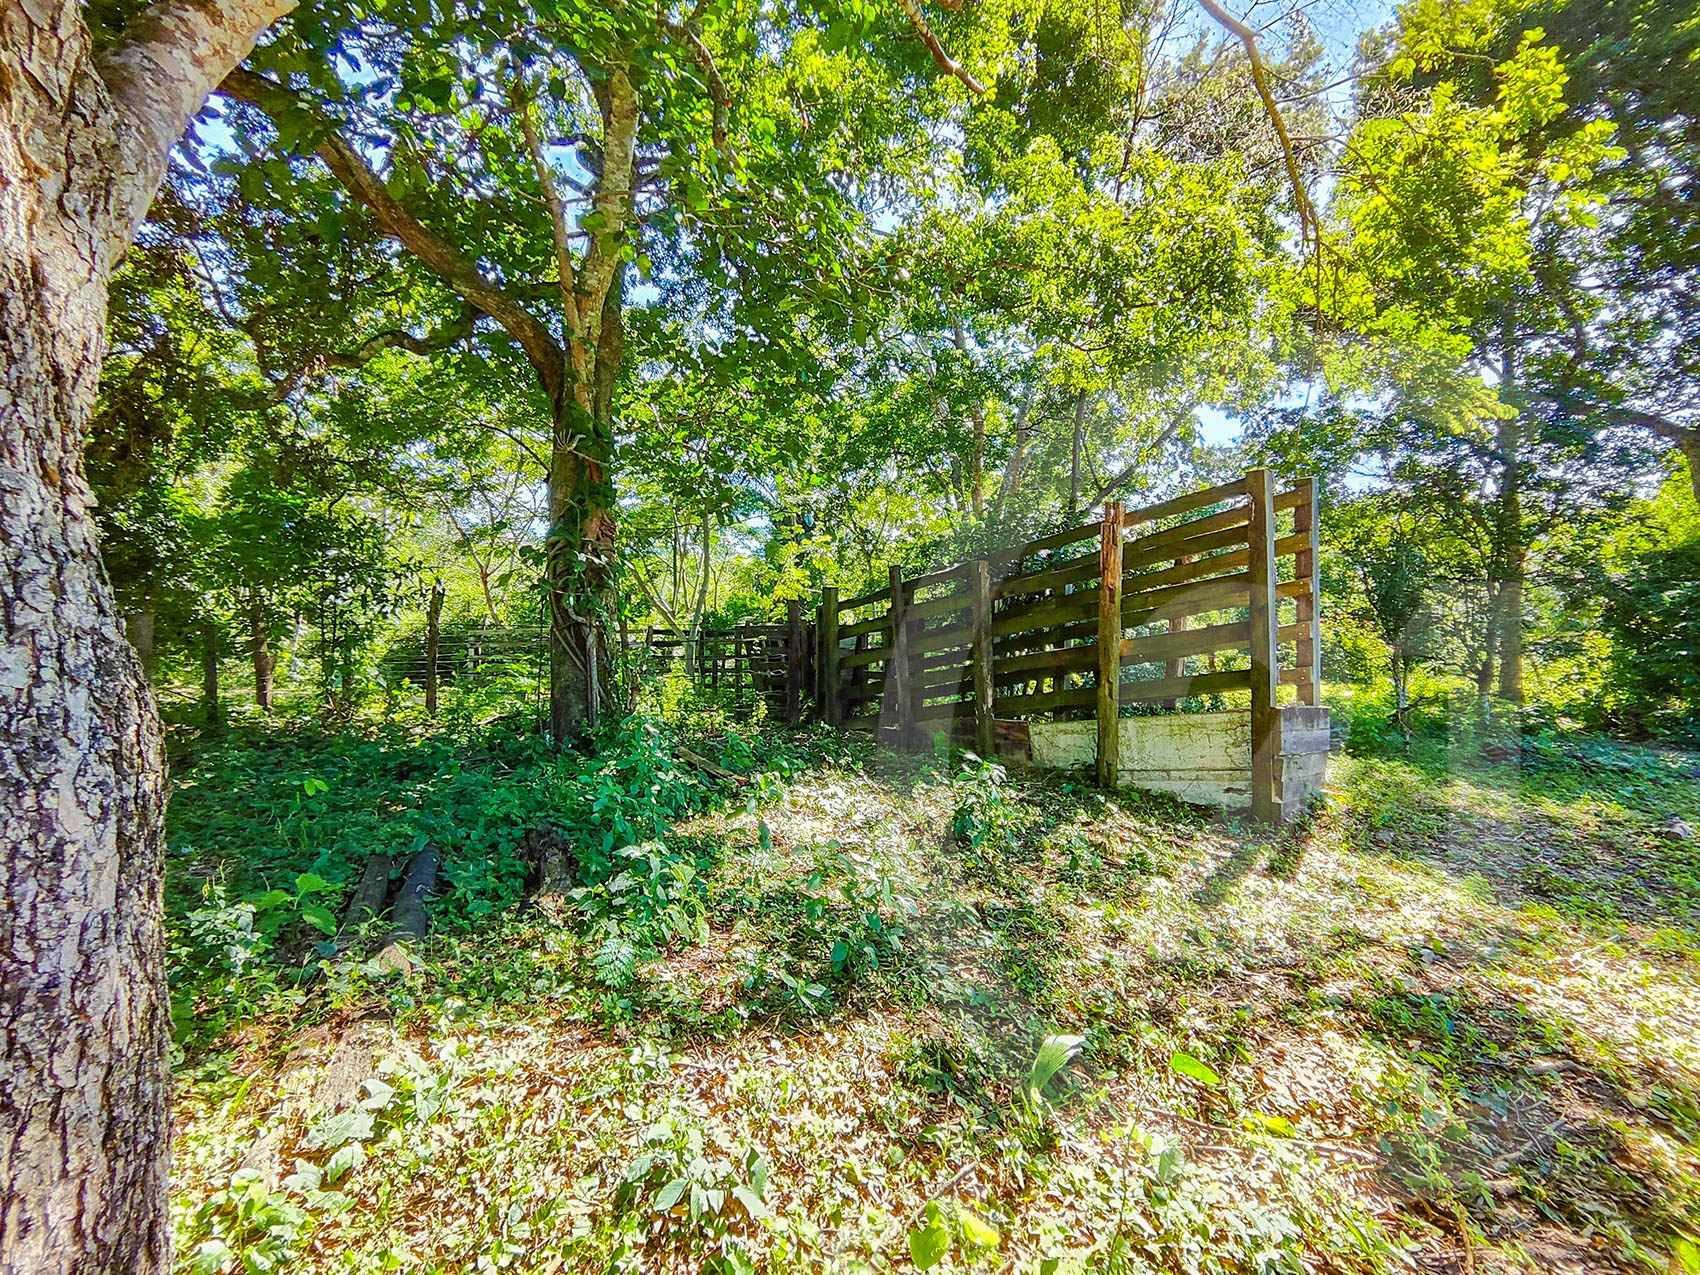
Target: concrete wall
(1202, 758)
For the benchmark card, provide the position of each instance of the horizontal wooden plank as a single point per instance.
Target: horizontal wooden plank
(1043, 662)
(1047, 701)
(940, 639)
(1293, 588)
(1180, 573)
(954, 678)
(1047, 638)
(944, 712)
(1045, 613)
(865, 599)
(1056, 540)
(1175, 646)
(856, 659)
(1185, 504)
(1181, 687)
(934, 577)
(1189, 537)
(879, 624)
(1075, 572)
(1289, 545)
(1194, 547)
(1194, 598)
(958, 601)
(1292, 498)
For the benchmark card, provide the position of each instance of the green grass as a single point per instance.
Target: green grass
(1456, 1011)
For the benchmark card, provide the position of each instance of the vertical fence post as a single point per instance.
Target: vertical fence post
(794, 662)
(1309, 569)
(980, 654)
(899, 707)
(830, 700)
(1265, 717)
(1109, 645)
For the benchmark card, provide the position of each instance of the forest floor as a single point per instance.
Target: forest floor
(876, 1012)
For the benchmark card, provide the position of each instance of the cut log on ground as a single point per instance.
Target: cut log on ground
(368, 900)
(412, 921)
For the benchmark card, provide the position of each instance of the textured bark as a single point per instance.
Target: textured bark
(433, 635)
(84, 1024)
(210, 652)
(1511, 552)
(260, 644)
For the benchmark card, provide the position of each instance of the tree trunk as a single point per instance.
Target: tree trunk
(209, 676)
(83, 1017)
(84, 1023)
(580, 572)
(1690, 445)
(259, 634)
(1079, 442)
(433, 637)
(1511, 553)
(139, 629)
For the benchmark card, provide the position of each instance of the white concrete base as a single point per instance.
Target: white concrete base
(1202, 758)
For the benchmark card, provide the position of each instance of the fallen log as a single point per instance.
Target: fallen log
(709, 768)
(367, 901)
(411, 919)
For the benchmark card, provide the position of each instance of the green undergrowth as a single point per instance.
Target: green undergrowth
(838, 1009)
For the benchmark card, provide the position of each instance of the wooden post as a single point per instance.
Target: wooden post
(980, 654)
(433, 643)
(1309, 568)
(1109, 645)
(1176, 668)
(794, 662)
(831, 703)
(899, 708)
(1265, 717)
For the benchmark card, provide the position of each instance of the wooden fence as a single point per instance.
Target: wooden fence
(1227, 576)
(774, 662)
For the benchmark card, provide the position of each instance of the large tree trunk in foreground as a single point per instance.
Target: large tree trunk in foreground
(84, 1080)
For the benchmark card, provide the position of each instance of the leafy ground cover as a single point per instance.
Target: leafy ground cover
(858, 1011)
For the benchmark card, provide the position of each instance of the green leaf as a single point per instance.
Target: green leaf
(929, 1244)
(319, 918)
(670, 1195)
(311, 883)
(1185, 1064)
(1687, 1255)
(349, 1126)
(1280, 1126)
(1055, 1053)
(976, 1230)
(750, 1200)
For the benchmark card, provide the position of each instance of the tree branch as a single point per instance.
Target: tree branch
(159, 75)
(946, 63)
(1260, 79)
(446, 261)
(717, 95)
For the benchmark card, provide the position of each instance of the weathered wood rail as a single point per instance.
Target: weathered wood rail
(1226, 576)
(772, 662)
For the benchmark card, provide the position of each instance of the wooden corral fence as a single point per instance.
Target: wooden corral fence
(772, 662)
(1226, 576)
